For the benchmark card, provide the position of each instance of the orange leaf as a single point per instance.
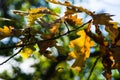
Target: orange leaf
(5, 31)
(55, 28)
(73, 20)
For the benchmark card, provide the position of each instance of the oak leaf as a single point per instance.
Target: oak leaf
(35, 13)
(71, 9)
(81, 49)
(101, 18)
(44, 45)
(73, 20)
(114, 33)
(5, 31)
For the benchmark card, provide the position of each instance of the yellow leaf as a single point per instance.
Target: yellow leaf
(26, 52)
(55, 28)
(73, 20)
(81, 49)
(115, 24)
(34, 14)
(5, 31)
(113, 31)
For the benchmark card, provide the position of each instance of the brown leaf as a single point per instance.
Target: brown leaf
(70, 8)
(19, 12)
(67, 3)
(101, 18)
(49, 25)
(17, 32)
(44, 45)
(117, 65)
(114, 33)
(107, 75)
(116, 53)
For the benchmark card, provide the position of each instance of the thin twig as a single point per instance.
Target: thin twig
(11, 57)
(93, 67)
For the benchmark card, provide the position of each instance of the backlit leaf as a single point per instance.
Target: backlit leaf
(55, 28)
(71, 8)
(5, 31)
(81, 49)
(73, 20)
(35, 13)
(26, 52)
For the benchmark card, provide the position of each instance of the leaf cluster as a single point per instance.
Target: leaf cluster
(46, 29)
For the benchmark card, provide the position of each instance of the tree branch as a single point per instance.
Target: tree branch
(22, 45)
(11, 57)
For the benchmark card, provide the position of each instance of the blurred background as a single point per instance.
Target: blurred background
(38, 67)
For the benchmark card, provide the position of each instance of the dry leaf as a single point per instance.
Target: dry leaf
(114, 32)
(101, 18)
(117, 66)
(44, 45)
(116, 53)
(70, 8)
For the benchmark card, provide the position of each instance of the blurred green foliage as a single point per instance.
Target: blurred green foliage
(45, 69)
